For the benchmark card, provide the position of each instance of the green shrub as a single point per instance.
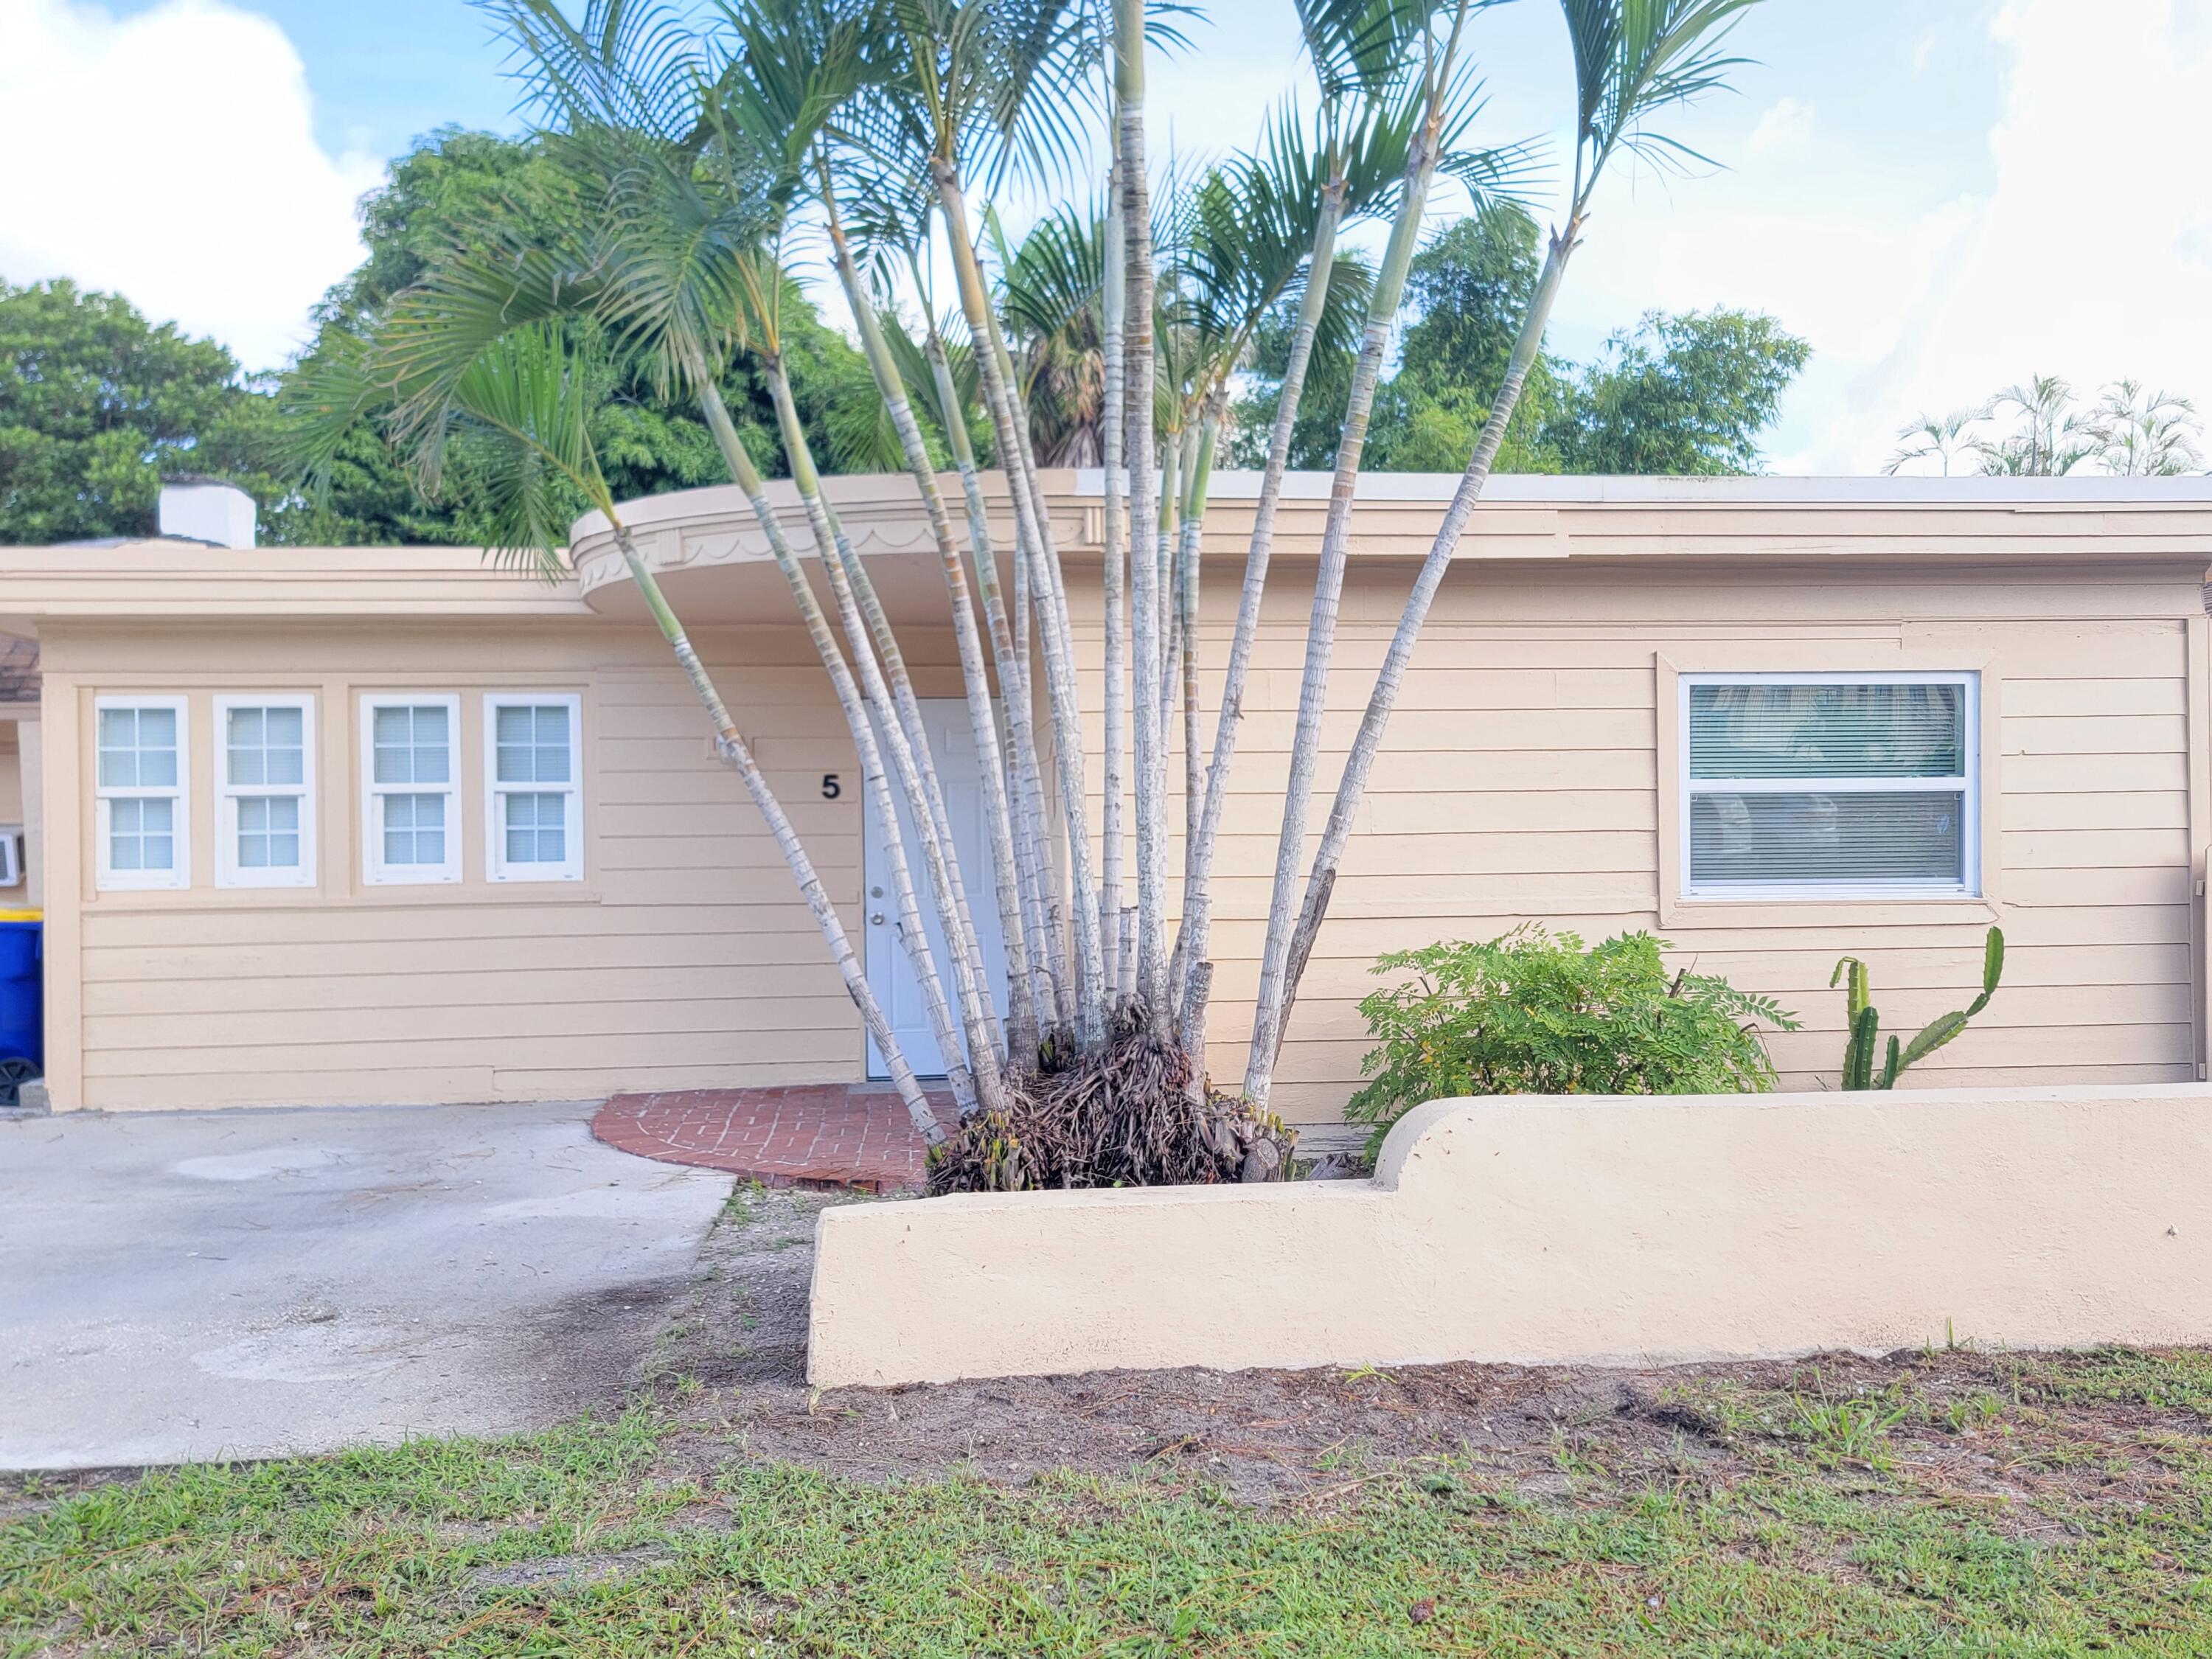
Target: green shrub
(1532, 1013)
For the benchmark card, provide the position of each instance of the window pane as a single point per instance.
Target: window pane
(414, 831)
(119, 748)
(1879, 838)
(266, 746)
(1845, 731)
(287, 745)
(412, 745)
(137, 749)
(269, 832)
(142, 833)
(536, 829)
(532, 743)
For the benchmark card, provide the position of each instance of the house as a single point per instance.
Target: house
(386, 824)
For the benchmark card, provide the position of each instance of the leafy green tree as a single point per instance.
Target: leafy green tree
(467, 195)
(96, 403)
(1687, 394)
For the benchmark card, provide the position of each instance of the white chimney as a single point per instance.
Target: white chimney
(195, 510)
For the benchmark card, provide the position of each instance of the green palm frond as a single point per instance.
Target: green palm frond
(1051, 283)
(320, 403)
(794, 65)
(521, 412)
(1359, 47)
(1636, 57)
(994, 89)
(627, 64)
(439, 329)
(681, 265)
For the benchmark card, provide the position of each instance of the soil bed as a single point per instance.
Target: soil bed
(735, 1364)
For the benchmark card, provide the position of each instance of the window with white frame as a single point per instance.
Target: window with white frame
(410, 811)
(264, 793)
(533, 814)
(1831, 785)
(140, 767)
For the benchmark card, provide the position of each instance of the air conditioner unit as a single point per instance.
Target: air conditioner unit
(11, 857)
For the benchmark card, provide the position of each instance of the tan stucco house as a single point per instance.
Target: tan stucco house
(390, 825)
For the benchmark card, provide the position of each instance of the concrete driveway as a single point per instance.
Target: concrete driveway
(180, 1286)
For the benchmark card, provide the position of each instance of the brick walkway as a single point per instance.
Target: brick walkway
(854, 1136)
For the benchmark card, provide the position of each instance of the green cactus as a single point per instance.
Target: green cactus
(1859, 1071)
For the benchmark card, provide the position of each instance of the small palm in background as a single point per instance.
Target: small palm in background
(2131, 432)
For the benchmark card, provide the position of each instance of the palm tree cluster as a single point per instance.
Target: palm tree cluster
(721, 139)
(2131, 432)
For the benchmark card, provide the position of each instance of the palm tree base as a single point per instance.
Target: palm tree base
(1129, 1112)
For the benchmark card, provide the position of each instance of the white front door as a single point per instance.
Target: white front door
(890, 975)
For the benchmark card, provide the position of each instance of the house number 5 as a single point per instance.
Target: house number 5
(830, 787)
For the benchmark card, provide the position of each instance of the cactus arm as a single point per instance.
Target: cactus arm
(1891, 1067)
(1858, 1056)
(1852, 973)
(1937, 1033)
(1993, 955)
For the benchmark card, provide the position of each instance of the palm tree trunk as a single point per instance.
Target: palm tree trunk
(902, 732)
(1329, 588)
(1115, 581)
(1046, 947)
(732, 750)
(1137, 372)
(1042, 555)
(1188, 557)
(1198, 890)
(1051, 613)
(982, 720)
(876, 786)
(1174, 451)
(1329, 857)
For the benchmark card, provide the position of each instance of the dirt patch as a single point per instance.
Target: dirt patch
(2021, 1434)
(566, 1572)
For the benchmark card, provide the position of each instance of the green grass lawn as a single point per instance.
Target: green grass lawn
(2038, 1506)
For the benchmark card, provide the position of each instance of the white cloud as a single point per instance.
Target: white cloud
(170, 157)
(1785, 130)
(2089, 256)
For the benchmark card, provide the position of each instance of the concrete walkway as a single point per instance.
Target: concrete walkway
(183, 1287)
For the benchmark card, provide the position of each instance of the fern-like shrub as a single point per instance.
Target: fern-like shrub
(1533, 1012)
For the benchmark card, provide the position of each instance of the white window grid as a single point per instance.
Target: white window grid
(256, 812)
(533, 788)
(397, 804)
(1967, 785)
(133, 807)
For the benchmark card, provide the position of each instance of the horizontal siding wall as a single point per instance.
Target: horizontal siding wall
(1519, 781)
(685, 959)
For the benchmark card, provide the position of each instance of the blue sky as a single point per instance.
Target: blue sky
(1931, 192)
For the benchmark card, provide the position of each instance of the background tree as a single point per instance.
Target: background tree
(1684, 395)
(1946, 440)
(96, 405)
(2047, 438)
(2130, 432)
(461, 195)
(2140, 433)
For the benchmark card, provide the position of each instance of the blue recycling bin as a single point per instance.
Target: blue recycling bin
(23, 987)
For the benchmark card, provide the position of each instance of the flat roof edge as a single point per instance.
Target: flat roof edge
(1760, 489)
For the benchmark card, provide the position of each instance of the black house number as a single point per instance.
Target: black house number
(830, 787)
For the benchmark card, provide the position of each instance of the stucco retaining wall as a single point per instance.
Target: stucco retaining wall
(1556, 1229)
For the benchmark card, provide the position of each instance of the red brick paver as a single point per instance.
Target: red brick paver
(856, 1136)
